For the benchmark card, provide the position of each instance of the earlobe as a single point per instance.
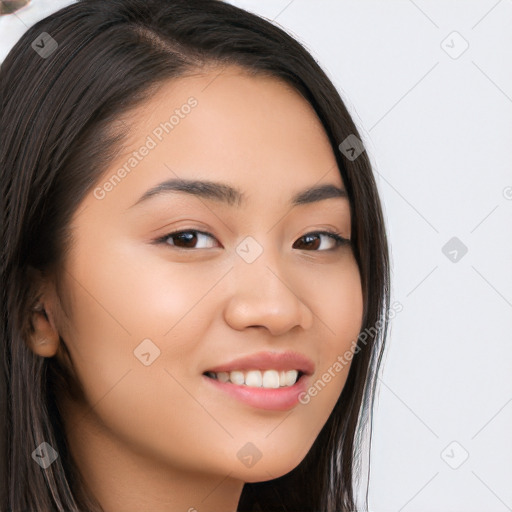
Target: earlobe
(44, 340)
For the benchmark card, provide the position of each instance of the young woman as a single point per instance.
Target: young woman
(194, 266)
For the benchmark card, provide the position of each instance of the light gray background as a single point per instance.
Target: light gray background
(437, 123)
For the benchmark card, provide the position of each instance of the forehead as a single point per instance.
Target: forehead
(254, 132)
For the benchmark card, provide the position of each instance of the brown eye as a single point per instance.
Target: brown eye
(312, 241)
(186, 239)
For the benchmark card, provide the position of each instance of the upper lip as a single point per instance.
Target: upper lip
(281, 361)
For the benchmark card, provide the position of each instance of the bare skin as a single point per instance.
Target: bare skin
(160, 437)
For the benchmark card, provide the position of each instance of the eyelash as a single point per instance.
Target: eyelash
(340, 241)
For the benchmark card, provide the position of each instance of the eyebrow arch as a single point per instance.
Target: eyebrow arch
(224, 193)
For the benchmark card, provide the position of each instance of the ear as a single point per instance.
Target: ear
(43, 338)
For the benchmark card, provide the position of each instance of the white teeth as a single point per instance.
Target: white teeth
(291, 377)
(271, 379)
(237, 377)
(256, 378)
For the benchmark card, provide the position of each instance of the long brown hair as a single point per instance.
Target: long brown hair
(57, 117)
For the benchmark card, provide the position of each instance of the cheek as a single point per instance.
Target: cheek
(340, 312)
(132, 294)
(128, 317)
(339, 308)
(127, 313)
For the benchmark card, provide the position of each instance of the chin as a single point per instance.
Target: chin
(263, 471)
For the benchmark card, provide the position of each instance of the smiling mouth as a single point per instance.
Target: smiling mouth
(270, 379)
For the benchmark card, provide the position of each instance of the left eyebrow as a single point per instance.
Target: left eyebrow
(224, 193)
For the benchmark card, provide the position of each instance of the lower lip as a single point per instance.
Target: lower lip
(271, 399)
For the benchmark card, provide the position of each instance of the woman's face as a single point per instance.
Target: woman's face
(151, 314)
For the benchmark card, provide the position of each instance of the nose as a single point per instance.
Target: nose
(262, 295)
